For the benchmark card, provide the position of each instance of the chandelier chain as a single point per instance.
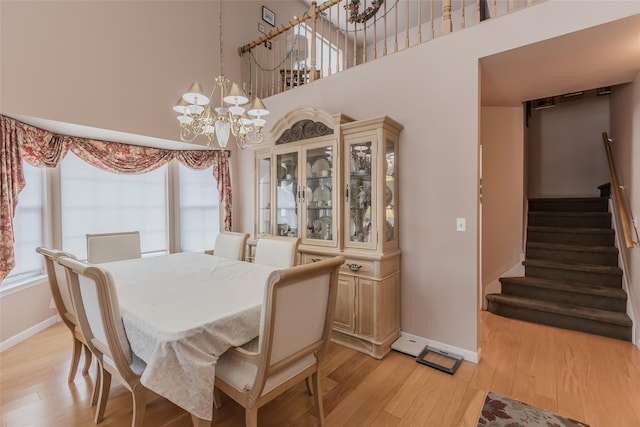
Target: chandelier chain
(221, 39)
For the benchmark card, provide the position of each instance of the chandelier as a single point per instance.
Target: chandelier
(199, 116)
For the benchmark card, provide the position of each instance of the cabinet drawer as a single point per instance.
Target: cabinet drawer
(309, 258)
(357, 266)
(351, 265)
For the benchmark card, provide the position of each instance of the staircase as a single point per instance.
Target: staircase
(572, 279)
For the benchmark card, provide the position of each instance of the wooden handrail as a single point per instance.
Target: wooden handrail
(618, 198)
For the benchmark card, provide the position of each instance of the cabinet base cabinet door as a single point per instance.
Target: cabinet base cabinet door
(344, 317)
(366, 307)
(375, 307)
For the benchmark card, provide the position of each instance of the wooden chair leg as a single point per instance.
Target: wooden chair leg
(307, 382)
(75, 359)
(96, 387)
(217, 402)
(87, 360)
(315, 378)
(199, 422)
(139, 406)
(105, 385)
(251, 417)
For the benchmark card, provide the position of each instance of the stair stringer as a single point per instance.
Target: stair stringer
(495, 287)
(624, 266)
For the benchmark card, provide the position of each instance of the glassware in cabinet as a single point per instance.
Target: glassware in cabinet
(287, 197)
(359, 192)
(319, 197)
(390, 213)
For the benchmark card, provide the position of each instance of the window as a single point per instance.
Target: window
(27, 227)
(328, 56)
(97, 201)
(199, 209)
(92, 200)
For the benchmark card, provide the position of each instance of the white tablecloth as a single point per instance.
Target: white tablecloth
(181, 312)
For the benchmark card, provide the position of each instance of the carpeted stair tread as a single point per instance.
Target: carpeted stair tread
(564, 291)
(594, 314)
(570, 213)
(600, 291)
(572, 230)
(573, 219)
(573, 253)
(560, 204)
(577, 248)
(585, 268)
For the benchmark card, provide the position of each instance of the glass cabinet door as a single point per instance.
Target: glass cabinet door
(263, 166)
(390, 210)
(287, 175)
(321, 170)
(360, 220)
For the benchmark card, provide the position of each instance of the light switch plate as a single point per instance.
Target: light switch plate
(261, 28)
(461, 224)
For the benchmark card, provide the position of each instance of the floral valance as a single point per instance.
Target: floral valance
(41, 148)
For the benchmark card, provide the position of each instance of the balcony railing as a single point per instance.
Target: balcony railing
(341, 34)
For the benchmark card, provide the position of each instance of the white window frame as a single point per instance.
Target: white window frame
(52, 221)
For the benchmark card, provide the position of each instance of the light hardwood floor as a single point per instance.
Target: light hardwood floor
(586, 377)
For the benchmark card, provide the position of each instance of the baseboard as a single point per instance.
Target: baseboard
(408, 343)
(28, 333)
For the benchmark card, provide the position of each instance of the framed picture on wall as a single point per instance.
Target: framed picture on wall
(268, 16)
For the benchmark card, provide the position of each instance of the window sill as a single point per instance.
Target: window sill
(20, 285)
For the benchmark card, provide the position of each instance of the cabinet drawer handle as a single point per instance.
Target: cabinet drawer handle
(315, 259)
(354, 267)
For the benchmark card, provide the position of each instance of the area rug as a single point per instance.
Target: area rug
(501, 411)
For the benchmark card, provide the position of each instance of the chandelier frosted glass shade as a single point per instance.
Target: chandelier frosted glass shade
(198, 117)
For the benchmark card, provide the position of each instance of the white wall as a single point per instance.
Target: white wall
(625, 129)
(565, 153)
(502, 192)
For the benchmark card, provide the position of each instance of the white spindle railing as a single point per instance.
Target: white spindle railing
(323, 42)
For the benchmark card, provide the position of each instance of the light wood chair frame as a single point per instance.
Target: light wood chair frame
(117, 346)
(295, 241)
(90, 237)
(242, 237)
(67, 314)
(255, 397)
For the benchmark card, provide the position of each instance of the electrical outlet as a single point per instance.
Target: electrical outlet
(461, 224)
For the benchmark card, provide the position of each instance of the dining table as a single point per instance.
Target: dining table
(181, 312)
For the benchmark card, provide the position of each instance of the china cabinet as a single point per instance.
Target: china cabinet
(331, 180)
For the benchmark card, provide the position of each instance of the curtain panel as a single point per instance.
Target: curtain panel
(41, 148)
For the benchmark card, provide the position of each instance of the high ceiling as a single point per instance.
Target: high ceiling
(607, 55)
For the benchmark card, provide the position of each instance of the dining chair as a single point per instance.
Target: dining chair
(62, 300)
(295, 328)
(107, 247)
(230, 244)
(277, 251)
(95, 298)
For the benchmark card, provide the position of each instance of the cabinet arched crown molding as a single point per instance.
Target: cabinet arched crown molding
(289, 129)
